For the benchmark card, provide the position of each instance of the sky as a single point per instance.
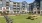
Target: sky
(28, 1)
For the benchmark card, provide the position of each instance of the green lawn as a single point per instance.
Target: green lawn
(21, 19)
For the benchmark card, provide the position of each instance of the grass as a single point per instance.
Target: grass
(21, 19)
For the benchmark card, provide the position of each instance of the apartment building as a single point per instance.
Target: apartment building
(4, 4)
(40, 6)
(16, 7)
(13, 7)
(20, 7)
(35, 10)
(37, 7)
(27, 8)
(31, 5)
(24, 7)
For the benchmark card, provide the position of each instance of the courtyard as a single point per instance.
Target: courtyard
(21, 19)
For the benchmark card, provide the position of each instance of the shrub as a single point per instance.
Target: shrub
(29, 17)
(32, 17)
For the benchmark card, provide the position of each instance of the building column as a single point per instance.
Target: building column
(36, 12)
(40, 12)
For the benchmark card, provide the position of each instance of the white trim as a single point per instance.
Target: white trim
(40, 10)
(9, 8)
(0, 10)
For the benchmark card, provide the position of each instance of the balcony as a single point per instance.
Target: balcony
(7, 9)
(0, 0)
(23, 10)
(7, 4)
(18, 3)
(14, 5)
(14, 2)
(14, 9)
(18, 6)
(17, 11)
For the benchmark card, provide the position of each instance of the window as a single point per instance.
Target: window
(37, 8)
(17, 3)
(7, 3)
(0, 0)
(14, 11)
(7, 11)
(22, 11)
(34, 9)
(7, 7)
(7, 0)
(23, 6)
(14, 8)
(18, 6)
(17, 11)
(14, 5)
(34, 3)
(0, 5)
(38, 12)
(35, 12)
(11, 3)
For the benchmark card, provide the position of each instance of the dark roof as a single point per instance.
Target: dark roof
(37, 0)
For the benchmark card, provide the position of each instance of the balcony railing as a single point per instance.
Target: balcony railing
(0, 0)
